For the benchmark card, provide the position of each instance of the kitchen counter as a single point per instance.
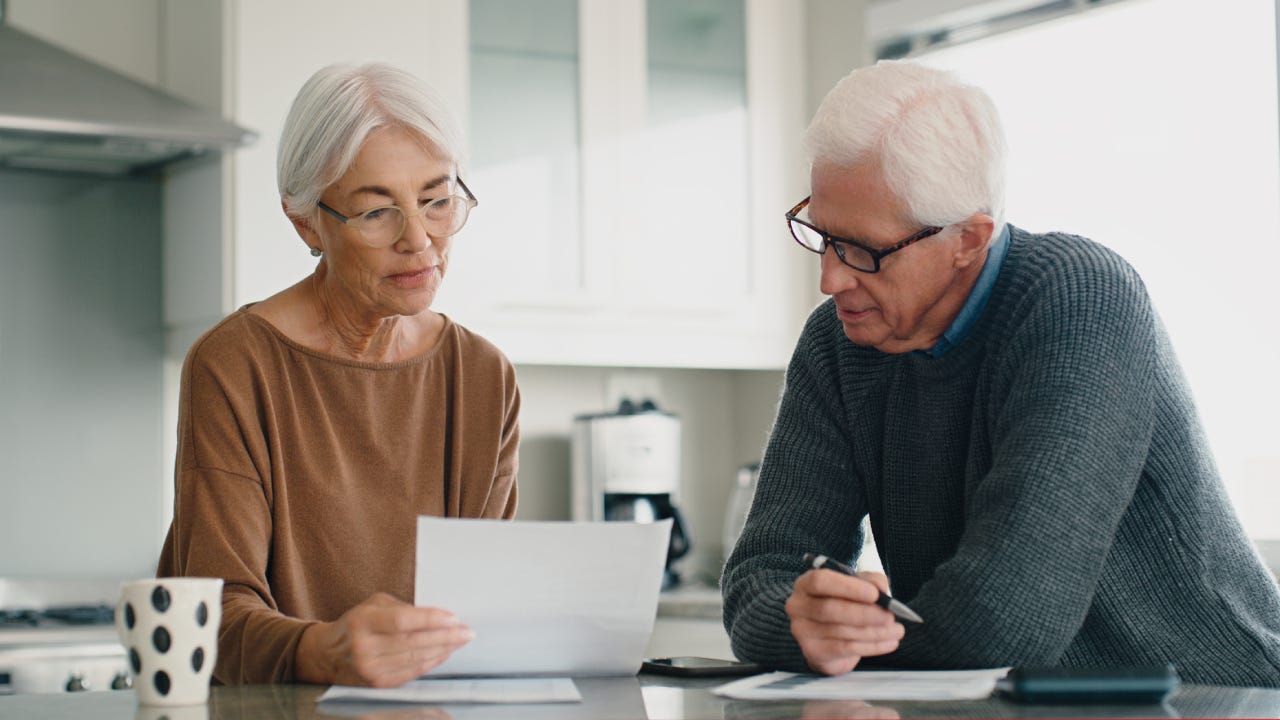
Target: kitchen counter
(628, 698)
(689, 623)
(691, 600)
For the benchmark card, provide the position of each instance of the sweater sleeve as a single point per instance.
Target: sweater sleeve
(1071, 412)
(807, 499)
(222, 526)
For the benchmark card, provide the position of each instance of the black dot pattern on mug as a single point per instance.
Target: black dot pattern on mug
(161, 681)
(169, 644)
(161, 640)
(160, 599)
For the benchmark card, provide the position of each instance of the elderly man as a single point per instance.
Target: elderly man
(1006, 408)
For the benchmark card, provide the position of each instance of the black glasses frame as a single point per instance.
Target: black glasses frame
(472, 202)
(829, 240)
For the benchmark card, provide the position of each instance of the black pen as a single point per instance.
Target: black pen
(897, 607)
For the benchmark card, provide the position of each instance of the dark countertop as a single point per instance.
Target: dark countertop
(627, 698)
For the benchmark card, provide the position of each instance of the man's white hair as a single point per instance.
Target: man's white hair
(938, 142)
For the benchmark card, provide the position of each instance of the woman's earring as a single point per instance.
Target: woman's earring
(316, 252)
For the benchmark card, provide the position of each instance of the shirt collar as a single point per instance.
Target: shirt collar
(978, 297)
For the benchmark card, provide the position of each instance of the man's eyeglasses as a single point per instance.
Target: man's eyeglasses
(383, 226)
(851, 252)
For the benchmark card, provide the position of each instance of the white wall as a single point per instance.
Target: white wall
(123, 35)
(836, 32)
(1128, 145)
(81, 346)
(725, 418)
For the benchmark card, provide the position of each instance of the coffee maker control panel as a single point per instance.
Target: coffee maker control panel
(634, 451)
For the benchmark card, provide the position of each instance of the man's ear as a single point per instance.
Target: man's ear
(975, 235)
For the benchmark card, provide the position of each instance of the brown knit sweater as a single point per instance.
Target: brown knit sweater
(300, 475)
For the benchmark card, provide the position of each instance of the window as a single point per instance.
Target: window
(1150, 126)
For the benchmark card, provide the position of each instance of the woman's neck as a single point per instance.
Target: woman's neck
(347, 330)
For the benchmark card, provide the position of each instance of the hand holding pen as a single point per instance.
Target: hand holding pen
(897, 607)
(837, 621)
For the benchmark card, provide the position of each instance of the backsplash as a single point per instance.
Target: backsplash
(81, 351)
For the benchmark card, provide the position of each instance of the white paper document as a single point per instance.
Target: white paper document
(868, 685)
(475, 690)
(544, 598)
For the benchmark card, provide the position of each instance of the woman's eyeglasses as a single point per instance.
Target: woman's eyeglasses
(383, 226)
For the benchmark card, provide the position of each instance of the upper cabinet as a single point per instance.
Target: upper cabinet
(632, 160)
(524, 245)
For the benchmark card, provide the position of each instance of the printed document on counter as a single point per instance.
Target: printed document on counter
(543, 598)
(477, 690)
(867, 685)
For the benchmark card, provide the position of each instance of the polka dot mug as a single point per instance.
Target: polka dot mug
(169, 628)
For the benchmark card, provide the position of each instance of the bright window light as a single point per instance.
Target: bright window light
(1150, 126)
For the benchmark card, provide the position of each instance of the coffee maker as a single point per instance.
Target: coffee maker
(626, 466)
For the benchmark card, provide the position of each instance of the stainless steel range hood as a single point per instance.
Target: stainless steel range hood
(60, 112)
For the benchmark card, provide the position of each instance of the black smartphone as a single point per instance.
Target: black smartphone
(1073, 686)
(698, 667)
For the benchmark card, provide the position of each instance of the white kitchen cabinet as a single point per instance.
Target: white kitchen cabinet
(630, 204)
(632, 178)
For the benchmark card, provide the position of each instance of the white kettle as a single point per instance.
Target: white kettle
(744, 489)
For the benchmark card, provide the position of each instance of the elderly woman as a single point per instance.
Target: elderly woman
(315, 426)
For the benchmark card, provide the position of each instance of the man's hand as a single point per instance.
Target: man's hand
(836, 621)
(382, 642)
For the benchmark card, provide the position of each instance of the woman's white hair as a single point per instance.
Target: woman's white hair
(333, 115)
(938, 141)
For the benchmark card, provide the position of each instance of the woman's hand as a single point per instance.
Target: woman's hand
(835, 620)
(382, 642)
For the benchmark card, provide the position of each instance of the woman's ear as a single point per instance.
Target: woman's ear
(302, 226)
(975, 235)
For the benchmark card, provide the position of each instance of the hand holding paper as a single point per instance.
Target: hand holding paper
(544, 598)
(380, 642)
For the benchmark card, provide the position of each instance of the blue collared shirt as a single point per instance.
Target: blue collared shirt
(978, 297)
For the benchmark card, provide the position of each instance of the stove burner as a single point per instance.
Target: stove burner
(82, 614)
(19, 618)
(60, 615)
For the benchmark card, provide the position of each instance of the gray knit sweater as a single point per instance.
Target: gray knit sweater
(1043, 494)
